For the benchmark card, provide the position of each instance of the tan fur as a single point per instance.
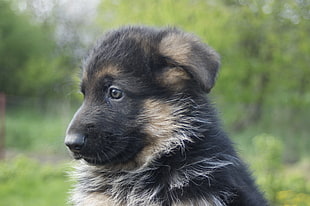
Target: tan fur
(96, 199)
(201, 202)
(203, 65)
(84, 76)
(173, 78)
(176, 47)
(100, 199)
(145, 44)
(108, 71)
(158, 120)
(160, 125)
(105, 71)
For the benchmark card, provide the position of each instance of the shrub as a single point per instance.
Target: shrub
(280, 187)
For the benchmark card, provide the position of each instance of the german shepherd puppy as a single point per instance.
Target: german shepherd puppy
(146, 132)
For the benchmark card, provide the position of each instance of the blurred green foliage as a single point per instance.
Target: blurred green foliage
(280, 187)
(26, 182)
(32, 129)
(29, 63)
(263, 87)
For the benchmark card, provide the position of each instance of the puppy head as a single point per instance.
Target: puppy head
(139, 85)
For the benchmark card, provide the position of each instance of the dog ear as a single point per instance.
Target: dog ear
(173, 77)
(188, 52)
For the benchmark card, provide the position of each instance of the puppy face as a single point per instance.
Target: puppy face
(139, 87)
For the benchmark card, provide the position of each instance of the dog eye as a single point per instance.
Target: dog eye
(115, 93)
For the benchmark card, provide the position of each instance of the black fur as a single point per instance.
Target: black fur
(146, 132)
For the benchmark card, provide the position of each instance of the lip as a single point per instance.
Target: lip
(76, 156)
(90, 160)
(93, 161)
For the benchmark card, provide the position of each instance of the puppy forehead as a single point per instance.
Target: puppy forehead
(117, 76)
(101, 73)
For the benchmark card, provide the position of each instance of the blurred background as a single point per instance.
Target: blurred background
(262, 93)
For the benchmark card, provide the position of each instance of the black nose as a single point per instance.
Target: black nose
(75, 142)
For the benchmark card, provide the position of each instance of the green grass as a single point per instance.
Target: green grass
(25, 182)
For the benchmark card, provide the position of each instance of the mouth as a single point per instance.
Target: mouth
(90, 160)
(94, 161)
(76, 156)
(109, 150)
